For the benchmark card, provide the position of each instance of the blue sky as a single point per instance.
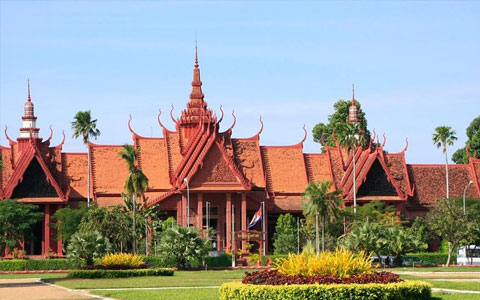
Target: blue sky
(415, 66)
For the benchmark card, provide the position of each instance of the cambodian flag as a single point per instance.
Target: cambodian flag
(257, 217)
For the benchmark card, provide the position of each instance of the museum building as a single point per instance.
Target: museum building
(198, 165)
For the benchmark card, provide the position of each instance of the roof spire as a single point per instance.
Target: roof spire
(196, 52)
(29, 99)
(196, 94)
(353, 94)
(353, 109)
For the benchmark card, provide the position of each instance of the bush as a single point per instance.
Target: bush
(433, 258)
(119, 261)
(119, 273)
(407, 290)
(273, 277)
(224, 260)
(275, 258)
(33, 265)
(85, 247)
(155, 261)
(340, 263)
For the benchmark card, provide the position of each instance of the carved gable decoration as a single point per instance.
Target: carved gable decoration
(214, 169)
(34, 183)
(376, 183)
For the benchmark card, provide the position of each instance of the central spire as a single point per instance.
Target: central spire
(353, 109)
(197, 95)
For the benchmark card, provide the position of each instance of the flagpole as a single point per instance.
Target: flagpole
(233, 236)
(263, 226)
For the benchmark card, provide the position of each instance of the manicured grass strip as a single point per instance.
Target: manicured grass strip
(38, 275)
(468, 286)
(447, 296)
(180, 278)
(434, 269)
(119, 273)
(171, 294)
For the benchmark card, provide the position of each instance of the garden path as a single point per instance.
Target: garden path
(34, 289)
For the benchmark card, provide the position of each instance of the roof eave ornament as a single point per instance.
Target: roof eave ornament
(160, 121)
(59, 146)
(10, 141)
(171, 115)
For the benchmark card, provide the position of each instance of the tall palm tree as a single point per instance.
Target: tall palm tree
(352, 137)
(136, 183)
(83, 126)
(321, 201)
(443, 136)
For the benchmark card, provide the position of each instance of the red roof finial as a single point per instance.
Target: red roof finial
(196, 53)
(196, 83)
(353, 94)
(29, 99)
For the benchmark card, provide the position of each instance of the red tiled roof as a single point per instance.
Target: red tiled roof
(154, 162)
(248, 159)
(109, 170)
(318, 167)
(74, 172)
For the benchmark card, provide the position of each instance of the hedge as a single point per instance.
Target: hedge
(434, 258)
(224, 260)
(406, 290)
(155, 261)
(119, 273)
(34, 264)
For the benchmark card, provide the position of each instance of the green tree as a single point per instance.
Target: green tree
(85, 247)
(376, 212)
(285, 236)
(447, 221)
(112, 223)
(443, 136)
(400, 241)
(16, 220)
(184, 245)
(68, 221)
(321, 202)
(83, 126)
(473, 142)
(136, 184)
(336, 121)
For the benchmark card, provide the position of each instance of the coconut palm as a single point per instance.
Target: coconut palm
(136, 183)
(83, 126)
(321, 202)
(352, 137)
(443, 136)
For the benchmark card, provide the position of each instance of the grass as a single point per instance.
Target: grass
(445, 296)
(434, 269)
(37, 275)
(177, 294)
(438, 283)
(179, 279)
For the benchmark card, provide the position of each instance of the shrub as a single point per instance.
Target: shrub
(84, 247)
(183, 245)
(33, 265)
(340, 263)
(156, 261)
(224, 260)
(121, 261)
(407, 290)
(273, 277)
(119, 273)
(275, 258)
(434, 258)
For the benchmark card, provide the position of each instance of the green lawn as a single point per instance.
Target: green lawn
(178, 294)
(445, 296)
(37, 275)
(179, 279)
(433, 269)
(438, 283)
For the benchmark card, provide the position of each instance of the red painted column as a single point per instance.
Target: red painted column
(237, 214)
(184, 209)
(179, 211)
(200, 211)
(244, 217)
(46, 230)
(221, 225)
(229, 221)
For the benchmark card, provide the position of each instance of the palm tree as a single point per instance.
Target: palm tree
(443, 136)
(323, 202)
(83, 126)
(136, 183)
(352, 137)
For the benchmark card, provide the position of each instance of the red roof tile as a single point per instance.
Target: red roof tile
(154, 162)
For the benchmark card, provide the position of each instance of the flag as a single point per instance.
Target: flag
(257, 217)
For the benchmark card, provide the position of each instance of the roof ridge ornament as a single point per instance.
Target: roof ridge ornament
(29, 99)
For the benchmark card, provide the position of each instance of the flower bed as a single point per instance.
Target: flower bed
(273, 277)
(406, 290)
(120, 273)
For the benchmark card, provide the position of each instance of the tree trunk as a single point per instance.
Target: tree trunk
(317, 241)
(446, 170)
(134, 201)
(323, 233)
(450, 250)
(88, 176)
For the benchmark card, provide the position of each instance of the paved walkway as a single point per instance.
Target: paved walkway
(34, 289)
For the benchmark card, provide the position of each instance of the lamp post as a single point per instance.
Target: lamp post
(464, 192)
(188, 201)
